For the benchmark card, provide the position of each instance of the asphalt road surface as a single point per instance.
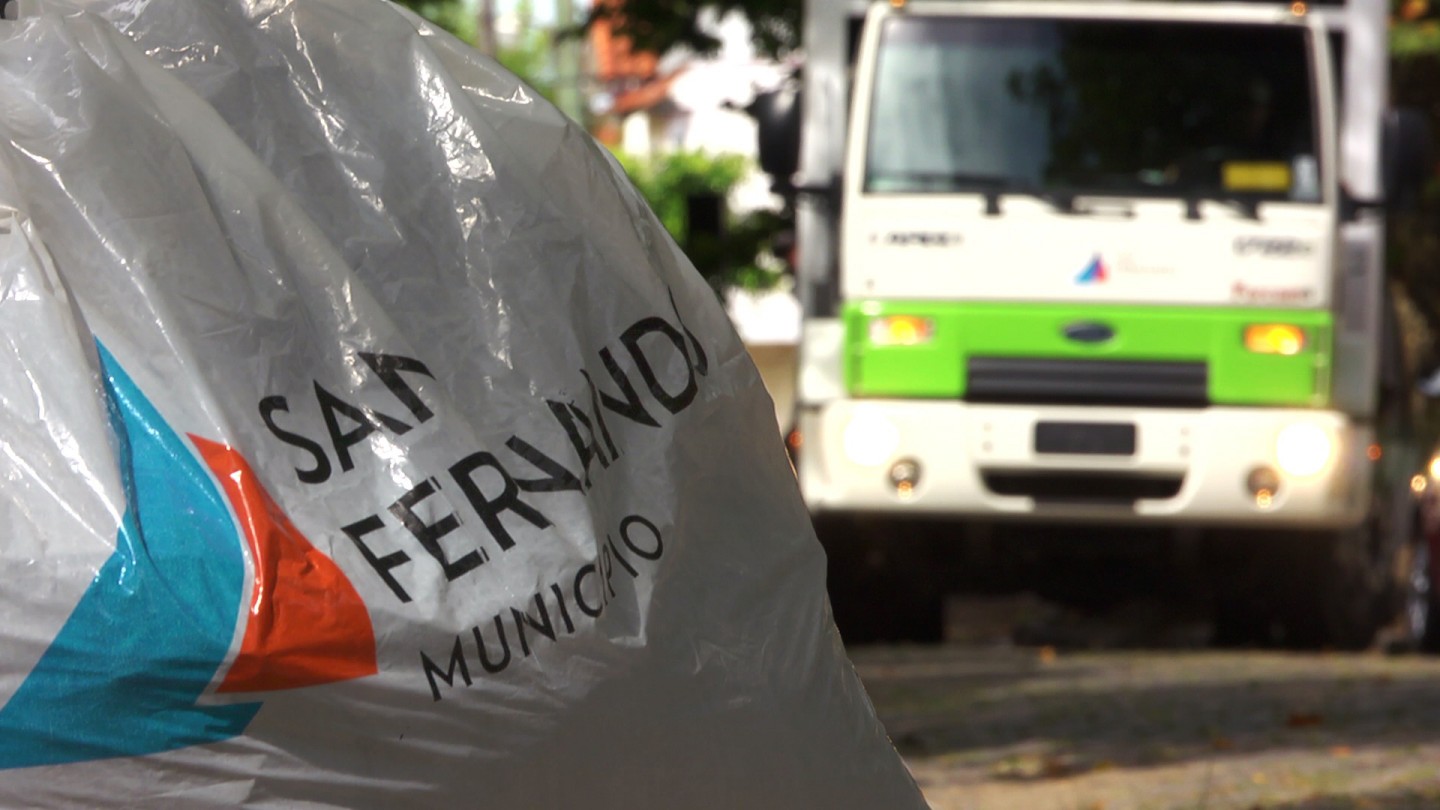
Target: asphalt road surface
(1101, 721)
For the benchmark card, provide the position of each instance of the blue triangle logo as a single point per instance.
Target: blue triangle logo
(1094, 271)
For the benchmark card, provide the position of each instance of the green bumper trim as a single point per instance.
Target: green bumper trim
(1210, 335)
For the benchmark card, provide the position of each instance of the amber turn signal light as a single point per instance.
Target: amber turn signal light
(1274, 338)
(901, 330)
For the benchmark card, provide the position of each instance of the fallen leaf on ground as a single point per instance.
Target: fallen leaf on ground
(1057, 767)
(1300, 719)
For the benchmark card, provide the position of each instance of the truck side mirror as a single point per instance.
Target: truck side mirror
(777, 113)
(1406, 153)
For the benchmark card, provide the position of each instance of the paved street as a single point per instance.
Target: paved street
(993, 727)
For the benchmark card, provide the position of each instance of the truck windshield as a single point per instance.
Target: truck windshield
(1134, 108)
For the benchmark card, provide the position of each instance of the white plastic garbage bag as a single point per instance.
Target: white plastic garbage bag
(364, 442)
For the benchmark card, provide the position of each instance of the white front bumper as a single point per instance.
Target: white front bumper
(959, 446)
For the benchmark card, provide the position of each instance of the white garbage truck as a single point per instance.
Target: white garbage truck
(1112, 264)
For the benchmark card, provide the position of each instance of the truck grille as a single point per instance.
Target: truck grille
(1087, 382)
(1082, 486)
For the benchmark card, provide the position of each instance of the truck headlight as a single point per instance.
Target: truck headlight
(870, 438)
(1304, 449)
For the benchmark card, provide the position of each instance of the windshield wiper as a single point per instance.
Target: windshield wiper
(992, 187)
(1061, 201)
(1247, 207)
(952, 178)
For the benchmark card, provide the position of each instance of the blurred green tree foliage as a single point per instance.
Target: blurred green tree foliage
(452, 15)
(667, 180)
(654, 25)
(1414, 28)
(745, 252)
(742, 253)
(527, 56)
(530, 54)
(659, 25)
(1414, 243)
(1414, 235)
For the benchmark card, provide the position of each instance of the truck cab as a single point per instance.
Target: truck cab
(1084, 268)
(1114, 262)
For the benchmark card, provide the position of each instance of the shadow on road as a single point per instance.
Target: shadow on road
(1051, 714)
(1399, 800)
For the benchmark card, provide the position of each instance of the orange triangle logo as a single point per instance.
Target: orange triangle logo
(306, 625)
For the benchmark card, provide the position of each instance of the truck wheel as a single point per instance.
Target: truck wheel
(881, 587)
(1345, 598)
(1350, 583)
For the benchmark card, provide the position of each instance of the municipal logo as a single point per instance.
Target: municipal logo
(169, 623)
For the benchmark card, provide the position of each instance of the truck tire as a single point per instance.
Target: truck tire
(1343, 604)
(1363, 577)
(881, 586)
(1348, 584)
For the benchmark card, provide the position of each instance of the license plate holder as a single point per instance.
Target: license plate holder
(1085, 438)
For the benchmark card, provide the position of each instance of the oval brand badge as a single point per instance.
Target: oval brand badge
(1088, 332)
